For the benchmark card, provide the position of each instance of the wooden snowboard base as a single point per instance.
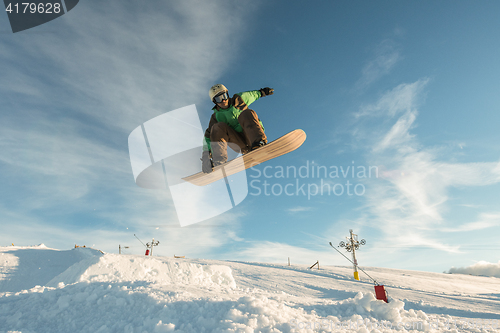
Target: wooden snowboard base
(283, 145)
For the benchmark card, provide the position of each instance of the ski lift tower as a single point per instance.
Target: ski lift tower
(351, 246)
(150, 245)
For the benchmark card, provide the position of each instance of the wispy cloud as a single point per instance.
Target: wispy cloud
(71, 99)
(485, 221)
(124, 65)
(299, 209)
(191, 242)
(274, 252)
(386, 57)
(399, 134)
(404, 98)
(409, 201)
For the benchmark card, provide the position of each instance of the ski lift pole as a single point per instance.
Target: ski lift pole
(146, 246)
(374, 281)
(140, 241)
(151, 245)
(380, 292)
(351, 246)
(355, 262)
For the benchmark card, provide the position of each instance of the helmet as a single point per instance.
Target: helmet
(216, 90)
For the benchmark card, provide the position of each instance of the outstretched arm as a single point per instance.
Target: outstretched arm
(244, 99)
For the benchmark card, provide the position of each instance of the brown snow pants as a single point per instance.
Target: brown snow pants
(221, 134)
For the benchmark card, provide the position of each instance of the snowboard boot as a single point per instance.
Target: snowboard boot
(217, 163)
(258, 144)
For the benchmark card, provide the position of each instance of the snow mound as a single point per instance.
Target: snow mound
(120, 307)
(124, 268)
(359, 313)
(93, 292)
(23, 268)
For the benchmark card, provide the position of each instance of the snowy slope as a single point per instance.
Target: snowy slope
(82, 290)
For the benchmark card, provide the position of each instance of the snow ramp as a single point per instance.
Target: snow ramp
(162, 270)
(23, 268)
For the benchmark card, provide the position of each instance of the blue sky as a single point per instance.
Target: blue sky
(409, 88)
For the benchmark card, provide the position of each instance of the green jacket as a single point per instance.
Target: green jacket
(237, 104)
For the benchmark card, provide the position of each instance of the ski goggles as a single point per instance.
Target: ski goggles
(221, 97)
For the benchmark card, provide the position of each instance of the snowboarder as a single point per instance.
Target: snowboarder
(234, 123)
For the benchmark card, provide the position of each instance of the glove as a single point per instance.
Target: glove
(206, 162)
(266, 91)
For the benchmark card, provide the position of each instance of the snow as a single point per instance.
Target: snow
(84, 290)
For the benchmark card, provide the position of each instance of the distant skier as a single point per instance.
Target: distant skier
(232, 122)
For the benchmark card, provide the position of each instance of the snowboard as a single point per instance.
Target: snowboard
(283, 145)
